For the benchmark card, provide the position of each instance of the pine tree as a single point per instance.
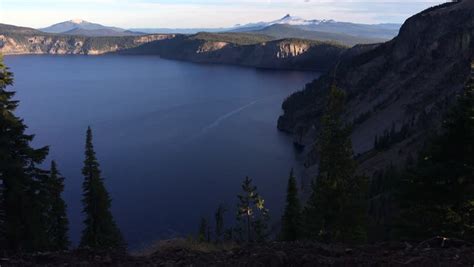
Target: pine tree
(336, 208)
(219, 216)
(101, 231)
(291, 220)
(21, 221)
(57, 222)
(437, 193)
(381, 204)
(252, 215)
(203, 230)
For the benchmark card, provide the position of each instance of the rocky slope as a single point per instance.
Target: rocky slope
(18, 40)
(407, 82)
(435, 252)
(240, 50)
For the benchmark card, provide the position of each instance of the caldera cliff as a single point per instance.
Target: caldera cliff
(18, 40)
(399, 88)
(252, 50)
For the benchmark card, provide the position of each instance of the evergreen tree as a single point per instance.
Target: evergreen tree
(437, 194)
(381, 203)
(101, 231)
(252, 216)
(57, 222)
(21, 221)
(291, 220)
(260, 224)
(203, 230)
(336, 208)
(38, 211)
(219, 216)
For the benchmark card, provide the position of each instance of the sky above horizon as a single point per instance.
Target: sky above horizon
(203, 13)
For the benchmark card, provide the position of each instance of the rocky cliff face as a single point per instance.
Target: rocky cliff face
(251, 50)
(279, 54)
(407, 82)
(38, 43)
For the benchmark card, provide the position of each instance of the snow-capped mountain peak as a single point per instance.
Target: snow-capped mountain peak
(78, 21)
(287, 19)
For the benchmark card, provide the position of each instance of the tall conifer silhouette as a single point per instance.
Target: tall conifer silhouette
(57, 222)
(22, 217)
(291, 220)
(101, 231)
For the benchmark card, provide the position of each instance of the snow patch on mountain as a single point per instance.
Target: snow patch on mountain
(78, 21)
(288, 19)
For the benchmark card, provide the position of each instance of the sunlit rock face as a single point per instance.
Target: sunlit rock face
(211, 46)
(70, 45)
(291, 49)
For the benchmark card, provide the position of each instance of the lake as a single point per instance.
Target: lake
(174, 139)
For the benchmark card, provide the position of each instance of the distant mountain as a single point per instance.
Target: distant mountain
(370, 31)
(281, 31)
(82, 27)
(101, 32)
(288, 19)
(357, 33)
(178, 30)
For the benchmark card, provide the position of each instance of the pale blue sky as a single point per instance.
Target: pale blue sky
(202, 13)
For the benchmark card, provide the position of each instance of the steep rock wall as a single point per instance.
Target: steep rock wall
(14, 44)
(279, 54)
(410, 80)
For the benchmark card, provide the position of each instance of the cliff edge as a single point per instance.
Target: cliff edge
(402, 85)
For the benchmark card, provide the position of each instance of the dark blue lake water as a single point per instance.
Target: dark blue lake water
(174, 139)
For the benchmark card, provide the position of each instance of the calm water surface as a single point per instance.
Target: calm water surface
(174, 139)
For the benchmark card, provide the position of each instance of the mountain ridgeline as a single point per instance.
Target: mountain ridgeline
(286, 43)
(397, 91)
(320, 29)
(295, 31)
(85, 28)
(246, 49)
(286, 27)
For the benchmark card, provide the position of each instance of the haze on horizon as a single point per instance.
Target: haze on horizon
(202, 13)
